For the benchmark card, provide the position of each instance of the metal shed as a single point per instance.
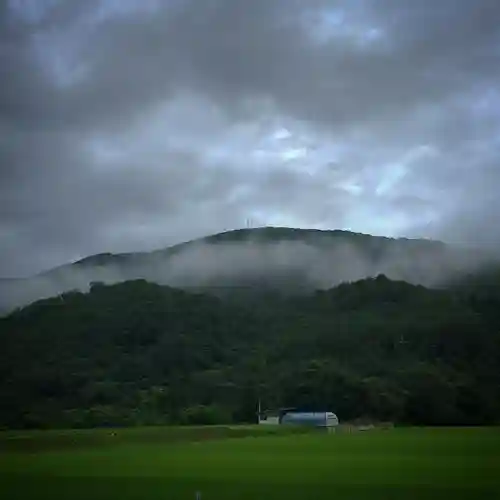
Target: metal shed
(326, 419)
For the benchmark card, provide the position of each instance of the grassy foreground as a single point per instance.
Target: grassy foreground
(256, 463)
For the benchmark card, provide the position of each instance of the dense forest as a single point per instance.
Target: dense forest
(138, 353)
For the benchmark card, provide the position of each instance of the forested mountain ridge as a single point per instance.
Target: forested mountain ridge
(141, 353)
(287, 260)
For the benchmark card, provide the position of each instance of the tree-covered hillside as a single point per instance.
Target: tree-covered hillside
(140, 353)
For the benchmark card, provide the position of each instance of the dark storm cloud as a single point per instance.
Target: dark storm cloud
(161, 88)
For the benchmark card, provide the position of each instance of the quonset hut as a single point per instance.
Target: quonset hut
(325, 419)
(289, 416)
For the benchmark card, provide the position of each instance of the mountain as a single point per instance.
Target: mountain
(137, 353)
(249, 262)
(388, 329)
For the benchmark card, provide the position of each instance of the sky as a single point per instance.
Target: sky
(132, 125)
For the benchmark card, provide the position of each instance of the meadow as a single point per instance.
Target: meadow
(250, 462)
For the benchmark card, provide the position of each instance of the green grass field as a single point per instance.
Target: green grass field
(250, 463)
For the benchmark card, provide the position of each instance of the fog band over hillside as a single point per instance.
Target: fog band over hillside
(312, 262)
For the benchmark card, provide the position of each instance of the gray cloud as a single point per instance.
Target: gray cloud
(133, 125)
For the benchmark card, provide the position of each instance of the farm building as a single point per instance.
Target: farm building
(284, 416)
(271, 417)
(316, 419)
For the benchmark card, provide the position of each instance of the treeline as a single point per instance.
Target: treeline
(137, 353)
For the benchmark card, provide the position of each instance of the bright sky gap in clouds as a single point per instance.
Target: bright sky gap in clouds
(133, 125)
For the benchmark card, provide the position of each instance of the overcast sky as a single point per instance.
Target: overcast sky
(136, 124)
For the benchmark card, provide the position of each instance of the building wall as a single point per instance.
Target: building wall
(266, 419)
(269, 420)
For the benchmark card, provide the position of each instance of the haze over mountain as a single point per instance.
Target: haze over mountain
(132, 125)
(260, 259)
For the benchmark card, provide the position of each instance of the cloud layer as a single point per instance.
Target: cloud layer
(134, 125)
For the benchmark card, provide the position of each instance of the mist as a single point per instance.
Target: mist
(294, 266)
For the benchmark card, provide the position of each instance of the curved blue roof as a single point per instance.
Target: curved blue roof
(316, 418)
